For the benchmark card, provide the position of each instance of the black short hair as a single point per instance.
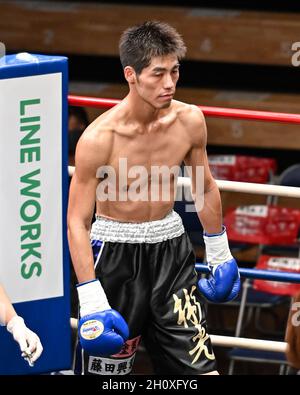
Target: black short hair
(139, 44)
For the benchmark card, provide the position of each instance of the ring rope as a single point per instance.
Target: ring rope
(230, 341)
(248, 187)
(252, 344)
(235, 113)
(235, 186)
(269, 275)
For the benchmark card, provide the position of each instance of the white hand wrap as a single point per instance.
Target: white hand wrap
(92, 298)
(217, 248)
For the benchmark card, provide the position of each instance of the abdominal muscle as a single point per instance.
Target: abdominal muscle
(151, 201)
(136, 211)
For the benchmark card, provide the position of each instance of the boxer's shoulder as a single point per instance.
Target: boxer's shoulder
(188, 113)
(94, 147)
(193, 121)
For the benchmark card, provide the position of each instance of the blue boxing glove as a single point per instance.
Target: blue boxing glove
(102, 330)
(223, 283)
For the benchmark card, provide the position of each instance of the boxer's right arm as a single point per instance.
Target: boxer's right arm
(92, 151)
(102, 330)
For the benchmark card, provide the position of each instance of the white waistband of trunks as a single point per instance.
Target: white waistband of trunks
(137, 232)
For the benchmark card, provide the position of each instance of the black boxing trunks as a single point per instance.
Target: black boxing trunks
(148, 273)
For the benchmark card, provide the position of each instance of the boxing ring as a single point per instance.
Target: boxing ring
(233, 186)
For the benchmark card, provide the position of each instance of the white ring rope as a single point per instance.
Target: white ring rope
(234, 186)
(252, 344)
(228, 341)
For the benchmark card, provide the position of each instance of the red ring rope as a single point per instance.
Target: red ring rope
(209, 111)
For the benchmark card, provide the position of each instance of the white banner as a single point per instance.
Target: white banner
(31, 250)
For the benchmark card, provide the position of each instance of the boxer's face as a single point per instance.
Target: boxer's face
(156, 83)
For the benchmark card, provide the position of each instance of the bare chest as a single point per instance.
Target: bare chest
(163, 147)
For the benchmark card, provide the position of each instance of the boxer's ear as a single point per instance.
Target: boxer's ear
(130, 74)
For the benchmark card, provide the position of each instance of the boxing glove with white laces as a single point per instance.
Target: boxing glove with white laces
(102, 330)
(223, 283)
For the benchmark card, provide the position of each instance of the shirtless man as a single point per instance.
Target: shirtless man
(138, 278)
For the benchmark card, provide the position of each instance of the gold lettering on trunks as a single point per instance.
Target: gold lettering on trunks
(190, 314)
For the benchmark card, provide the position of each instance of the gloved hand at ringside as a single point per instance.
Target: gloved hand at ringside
(223, 283)
(29, 342)
(102, 330)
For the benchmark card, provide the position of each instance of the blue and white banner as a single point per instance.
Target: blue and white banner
(34, 267)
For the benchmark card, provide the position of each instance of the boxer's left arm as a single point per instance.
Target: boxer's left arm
(224, 282)
(29, 343)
